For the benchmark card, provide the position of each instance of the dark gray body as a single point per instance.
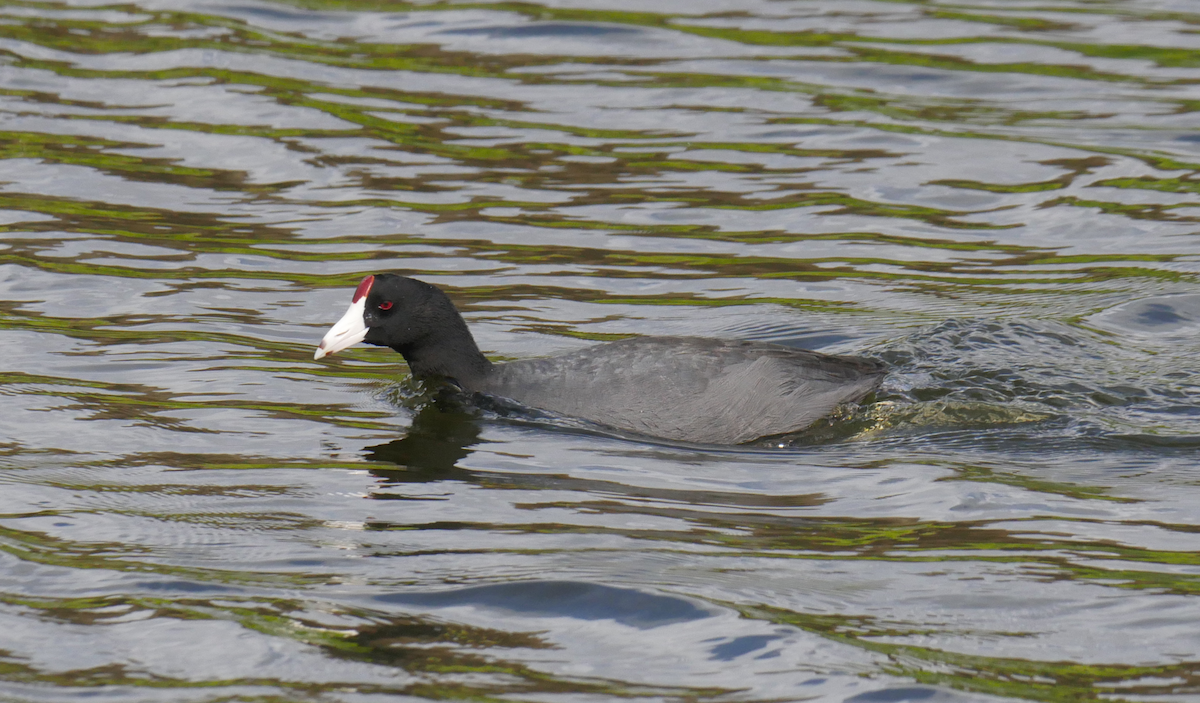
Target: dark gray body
(688, 388)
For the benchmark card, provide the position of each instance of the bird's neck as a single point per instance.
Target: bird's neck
(452, 354)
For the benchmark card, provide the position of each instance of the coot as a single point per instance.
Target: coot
(679, 388)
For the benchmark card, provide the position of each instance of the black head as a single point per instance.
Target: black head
(402, 312)
(414, 318)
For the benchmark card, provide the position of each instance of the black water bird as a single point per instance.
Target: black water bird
(688, 389)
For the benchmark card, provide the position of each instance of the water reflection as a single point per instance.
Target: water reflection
(441, 435)
(581, 601)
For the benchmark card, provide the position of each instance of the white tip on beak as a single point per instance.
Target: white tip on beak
(348, 331)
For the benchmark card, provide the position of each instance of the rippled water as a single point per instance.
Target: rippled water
(997, 198)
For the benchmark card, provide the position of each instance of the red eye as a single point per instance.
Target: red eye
(385, 305)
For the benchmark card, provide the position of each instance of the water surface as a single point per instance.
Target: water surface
(998, 199)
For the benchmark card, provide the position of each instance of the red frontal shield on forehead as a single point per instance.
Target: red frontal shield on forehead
(363, 288)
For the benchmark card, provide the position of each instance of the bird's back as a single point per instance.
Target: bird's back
(689, 389)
